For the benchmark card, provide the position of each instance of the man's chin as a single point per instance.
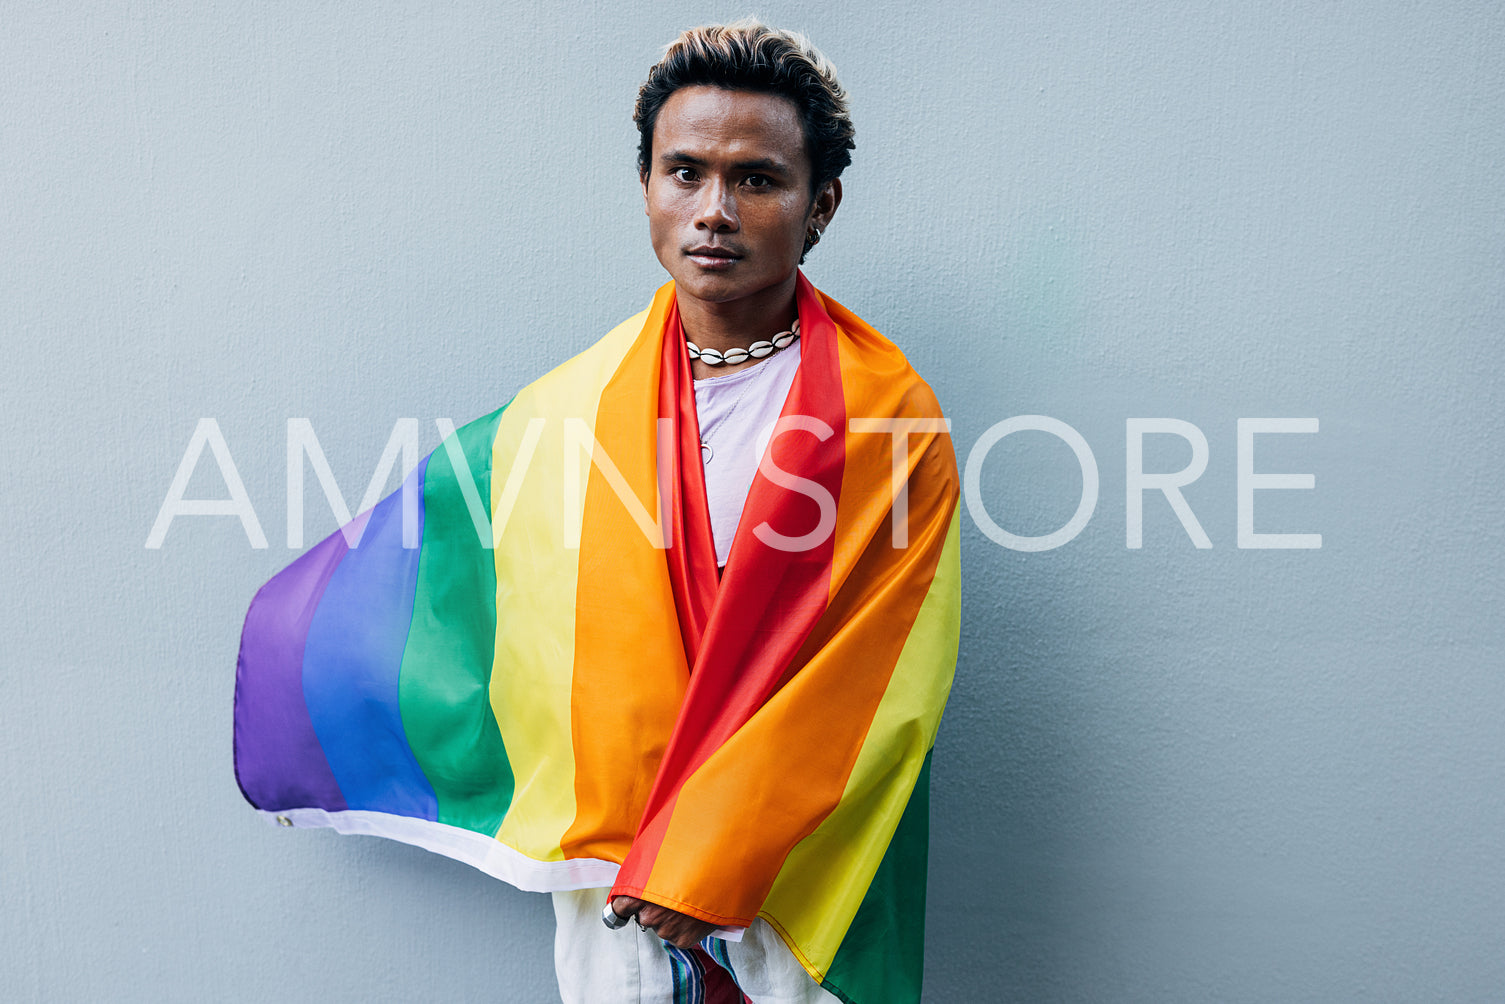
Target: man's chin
(710, 288)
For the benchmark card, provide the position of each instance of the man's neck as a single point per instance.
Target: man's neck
(739, 323)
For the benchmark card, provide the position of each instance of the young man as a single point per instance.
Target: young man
(701, 693)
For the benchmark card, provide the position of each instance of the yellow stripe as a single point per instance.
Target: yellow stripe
(827, 874)
(535, 596)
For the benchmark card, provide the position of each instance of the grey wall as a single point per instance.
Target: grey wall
(1166, 774)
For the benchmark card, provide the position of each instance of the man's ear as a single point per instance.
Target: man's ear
(643, 180)
(826, 201)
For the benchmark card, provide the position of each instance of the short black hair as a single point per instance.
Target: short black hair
(748, 55)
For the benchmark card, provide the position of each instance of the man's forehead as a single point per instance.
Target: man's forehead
(708, 123)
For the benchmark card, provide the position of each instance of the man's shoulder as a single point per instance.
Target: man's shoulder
(876, 372)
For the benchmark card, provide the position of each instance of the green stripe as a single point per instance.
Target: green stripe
(882, 957)
(446, 668)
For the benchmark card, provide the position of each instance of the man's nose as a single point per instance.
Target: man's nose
(717, 210)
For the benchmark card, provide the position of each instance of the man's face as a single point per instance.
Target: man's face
(728, 192)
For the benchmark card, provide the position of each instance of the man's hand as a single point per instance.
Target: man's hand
(678, 929)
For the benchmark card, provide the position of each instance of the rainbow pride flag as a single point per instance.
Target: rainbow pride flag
(525, 659)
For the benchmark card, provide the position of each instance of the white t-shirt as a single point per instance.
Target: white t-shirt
(737, 413)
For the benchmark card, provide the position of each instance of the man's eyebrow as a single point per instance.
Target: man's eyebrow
(761, 164)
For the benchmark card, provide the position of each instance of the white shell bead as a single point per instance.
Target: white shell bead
(757, 350)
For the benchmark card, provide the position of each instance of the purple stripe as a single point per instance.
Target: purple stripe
(352, 659)
(278, 760)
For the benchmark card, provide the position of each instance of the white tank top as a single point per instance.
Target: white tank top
(737, 413)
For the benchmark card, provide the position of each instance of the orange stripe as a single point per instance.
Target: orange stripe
(888, 388)
(629, 671)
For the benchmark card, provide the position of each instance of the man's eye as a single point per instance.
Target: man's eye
(682, 174)
(758, 181)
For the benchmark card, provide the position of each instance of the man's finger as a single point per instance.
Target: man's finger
(652, 915)
(686, 939)
(619, 911)
(612, 918)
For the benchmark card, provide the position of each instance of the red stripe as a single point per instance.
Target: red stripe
(692, 549)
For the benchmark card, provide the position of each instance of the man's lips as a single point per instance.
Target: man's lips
(713, 258)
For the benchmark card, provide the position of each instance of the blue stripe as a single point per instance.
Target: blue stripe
(689, 976)
(351, 663)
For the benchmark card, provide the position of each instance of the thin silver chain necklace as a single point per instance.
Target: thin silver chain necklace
(706, 450)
